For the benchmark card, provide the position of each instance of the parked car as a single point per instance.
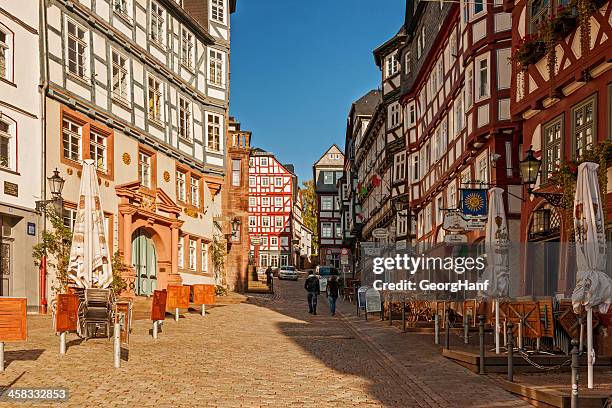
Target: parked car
(288, 272)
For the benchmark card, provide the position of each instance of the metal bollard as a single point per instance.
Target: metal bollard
(437, 328)
(1, 356)
(63, 343)
(176, 314)
(390, 314)
(117, 345)
(447, 331)
(510, 345)
(404, 316)
(155, 329)
(203, 310)
(481, 320)
(466, 330)
(575, 376)
(382, 310)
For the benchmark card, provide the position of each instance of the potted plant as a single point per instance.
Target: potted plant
(563, 23)
(529, 50)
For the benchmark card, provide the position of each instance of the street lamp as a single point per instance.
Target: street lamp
(56, 185)
(530, 168)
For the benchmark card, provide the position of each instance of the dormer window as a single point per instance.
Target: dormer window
(217, 11)
(391, 65)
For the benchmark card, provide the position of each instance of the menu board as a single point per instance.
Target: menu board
(66, 315)
(178, 297)
(13, 319)
(158, 308)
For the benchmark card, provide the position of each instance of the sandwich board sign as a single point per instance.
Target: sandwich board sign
(372, 300)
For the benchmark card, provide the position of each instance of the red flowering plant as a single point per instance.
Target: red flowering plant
(529, 50)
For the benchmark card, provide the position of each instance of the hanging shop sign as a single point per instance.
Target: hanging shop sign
(380, 233)
(454, 222)
(474, 202)
(455, 239)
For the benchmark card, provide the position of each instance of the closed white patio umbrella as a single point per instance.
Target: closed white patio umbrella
(593, 286)
(496, 241)
(90, 262)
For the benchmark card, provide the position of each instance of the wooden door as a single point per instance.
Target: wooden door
(144, 258)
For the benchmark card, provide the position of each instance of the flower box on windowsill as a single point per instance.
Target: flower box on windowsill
(529, 51)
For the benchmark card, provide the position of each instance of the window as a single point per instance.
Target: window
(583, 126)
(215, 68)
(395, 114)
(326, 230)
(263, 260)
(77, 49)
(327, 203)
(187, 48)
(97, 149)
(181, 186)
(184, 119)
(553, 135)
(274, 261)
(265, 181)
(192, 254)
(483, 168)
(69, 217)
(72, 135)
(154, 92)
(415, 167)
(452, 195)
(5, 145)
(265, 201)
(278, 181)
(217, 11)
(439, 212)
(483, 78)
(204, 256)
(120, 75)
(328, 177)
(181, 252)
(338, 230)
(278, 222)
(391, 65)
(157, 23)
(265, 221)
(122, 7)
(284, 260)
(264, 241)
(5, 55)
(252, 201)
(252, 181)
(458, 115)
(274, 241)
(236, 165)
(284, 241)
(478, 6)
(402, 223)
(252, 221)
(538, 13)
(407, 63)
(144, 169)
(263, 161)
(400, 166)
(214, 132)
(469, 87)
(428, 218)
(278, 202)
(195, 191)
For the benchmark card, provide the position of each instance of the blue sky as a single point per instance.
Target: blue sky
(296, 67)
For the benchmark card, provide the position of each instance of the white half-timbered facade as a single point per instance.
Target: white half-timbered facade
(141, 87)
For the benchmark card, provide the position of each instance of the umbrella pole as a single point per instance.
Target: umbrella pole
(590, 347)
(496, 326)
(581, 347)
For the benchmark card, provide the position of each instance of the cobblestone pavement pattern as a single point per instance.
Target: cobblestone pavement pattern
(268, 352)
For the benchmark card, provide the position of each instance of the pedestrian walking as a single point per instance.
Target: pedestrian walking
(312, 287)
(333, 289)
(269, 280)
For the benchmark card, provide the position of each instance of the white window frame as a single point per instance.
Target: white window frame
(252, 221)
(214, 126)
(192, 254)
(265, 201)
(394, 114)
(187, 48)
(392, 65)
(144, 172)
(473, 13)
(274, 261)
(263, 260)
(204, 256)
(157, 24)
(399, 168)
(9, 136)
(155, 92)
(278, 181)
(483, 167)
(181, 252)
(98, 142)
(279, 221)
(265, 181)
(284, 260)
(216, 68)
(483, 91)
(274, 241)
(120, 76)
(327, 230)
(6, 53)
(217, 11)
(263, 161)
(72, 135)
(81, 50)
(252, 201)
(124, 9)
(185, 119)
(278, 202)
(181, 186)
(328, 173)
(194, 190)
(327, 203)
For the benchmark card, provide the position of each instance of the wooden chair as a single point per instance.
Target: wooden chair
(95, 311)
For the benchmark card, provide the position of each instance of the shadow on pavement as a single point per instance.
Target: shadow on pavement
(21, 355)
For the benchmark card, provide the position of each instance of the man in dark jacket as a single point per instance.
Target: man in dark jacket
(269, 280)
(333, 289)
(312, 287)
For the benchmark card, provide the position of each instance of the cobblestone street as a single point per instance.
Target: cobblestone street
(265, 352)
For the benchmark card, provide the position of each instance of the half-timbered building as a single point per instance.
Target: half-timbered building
(327, 171)
(271, 204)
(456, 108)
(562, 97)
(141, 87)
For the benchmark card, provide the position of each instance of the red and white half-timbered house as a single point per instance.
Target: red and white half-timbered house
(271, 197)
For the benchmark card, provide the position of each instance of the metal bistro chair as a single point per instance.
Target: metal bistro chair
(96, 311)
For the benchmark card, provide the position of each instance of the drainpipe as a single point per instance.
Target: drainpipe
(43, 88)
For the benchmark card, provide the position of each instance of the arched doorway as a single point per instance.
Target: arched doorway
(543, 251)
(144, 258)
